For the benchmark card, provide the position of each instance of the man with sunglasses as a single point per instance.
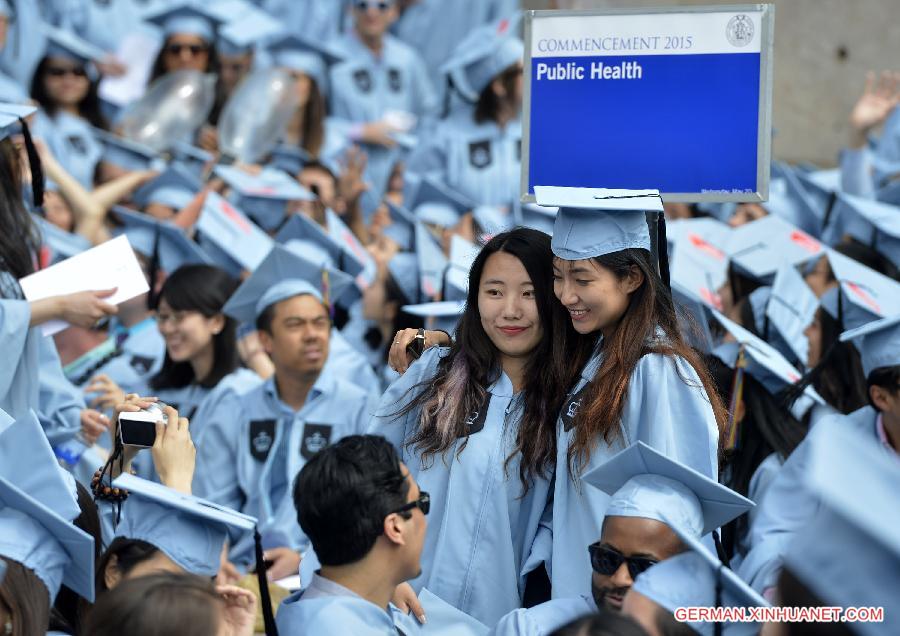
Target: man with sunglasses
(366, 518)
(650, 493)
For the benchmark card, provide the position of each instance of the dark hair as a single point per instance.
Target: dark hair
(603, 624)
(27, 599)
(158, 605)
(19, 240)
(206, 289)
(838, 376)
(650, 307)
(888, 378)
(489, 103)
(793, 593)
(373, 337)
(868, 255)
(129, 553)
(459, 388)
(343, 494)
(667, 625)
(740, 284)
(159, 64)
(70, 610)
(313, 134)
(768, 427)
(267, 315)
(88, 107)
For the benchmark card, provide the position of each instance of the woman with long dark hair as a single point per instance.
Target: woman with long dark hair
(474, 424)
(189, 35)
(65, 85)
(643, 382)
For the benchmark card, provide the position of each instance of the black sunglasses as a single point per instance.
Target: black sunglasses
(195, 49)
(56, 71)
(363, 5)
(606, 560)
(423, 503)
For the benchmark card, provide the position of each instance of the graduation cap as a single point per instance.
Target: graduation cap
(289, 158)
(760, 247)
(492, 220)
(264, 196)
(188, 18)
(456, 278)
(719, 211)
(592, 222)
(486, 52)
(443, 315)
(59, 244)
(402, 227)
(878, 343)
(282, 275)
(697, 578)
(698, 262)
(161, 240)
(175, 188)
(863, 295)
(404, 267)
(642, 482)
(12, 119)
(853, 537)
(246, 25)
(310, 58)
(811, 201)
(301, 230)
(437, 204)
(127, 154)
(192, 159)
(37, 507)
(237, 239)
(66, 44)
(874, 223)
(432, 263)
(889, 193)
(353, 249)
(783, 312)
(535, 216)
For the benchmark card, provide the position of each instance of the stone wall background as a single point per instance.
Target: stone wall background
(823, 49)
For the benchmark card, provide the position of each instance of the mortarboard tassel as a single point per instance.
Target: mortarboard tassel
(737, 395)
(264, 597)
(326, 293)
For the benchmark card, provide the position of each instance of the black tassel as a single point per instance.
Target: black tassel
(265, 599)
(34, 162)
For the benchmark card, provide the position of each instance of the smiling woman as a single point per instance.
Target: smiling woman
(487, 406)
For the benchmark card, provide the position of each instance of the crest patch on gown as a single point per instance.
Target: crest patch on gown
(480, 154)
(315, 438)
(395, 81)
(141, 364)
(363, 80)
(570, 409)
(262, 435)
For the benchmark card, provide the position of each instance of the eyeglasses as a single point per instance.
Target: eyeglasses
(195, 49)
(381, 5)
(423, 503)
(606, 560)
(58, 71)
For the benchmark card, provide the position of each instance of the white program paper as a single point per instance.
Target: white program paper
(110, 264)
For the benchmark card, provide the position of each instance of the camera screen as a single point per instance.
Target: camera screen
(136, 433)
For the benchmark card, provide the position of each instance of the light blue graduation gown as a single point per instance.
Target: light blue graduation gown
(788, 505)
(545, 618)
(313, 20)
(31, 377)
(25, 42)
(671, 414)
(348, 364)
(105, 23)
(364, 88)
(340, 615)
(480, 529)
(252, 445)
(72, 141)
(482, 161)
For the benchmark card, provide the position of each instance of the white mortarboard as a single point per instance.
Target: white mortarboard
(878, 343)
(874, 223)
(782, 313)
(310, 58)
(432, 263)
(59, 243)
(37, 507)
(402, 227)
(443, 315)
(175, 187)
(236, 237)
(760, 247)
(593, 222)
(481, 56)
(187, 18)
(865, 295)
(264, 196)
(690, 579)
(299, 227)
(642, 482)
(436, 203)
(404, 267)
(849, 553)
(189, 530)
(127, 154)
(167, 241)
(282, 275)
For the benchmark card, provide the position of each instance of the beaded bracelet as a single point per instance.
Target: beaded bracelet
(105, 492)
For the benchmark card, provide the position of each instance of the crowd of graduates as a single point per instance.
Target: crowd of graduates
(382, 394)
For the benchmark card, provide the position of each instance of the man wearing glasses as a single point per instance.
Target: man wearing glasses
(365, 517)
(650, 493)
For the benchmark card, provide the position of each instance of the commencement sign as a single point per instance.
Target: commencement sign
(677, 99)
